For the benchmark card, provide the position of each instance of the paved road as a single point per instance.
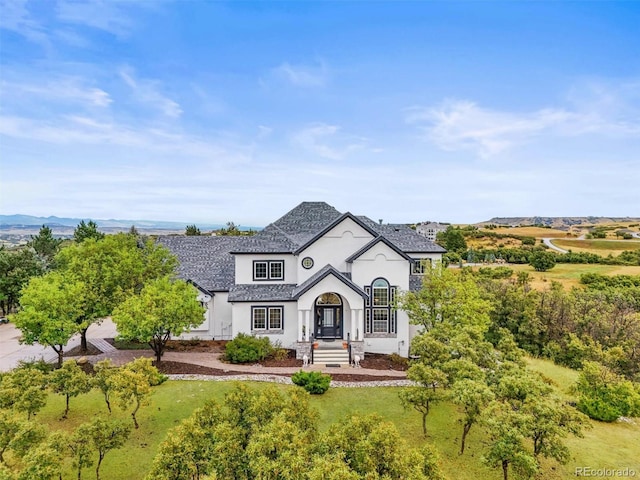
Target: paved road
(11, 351)
(549, 243)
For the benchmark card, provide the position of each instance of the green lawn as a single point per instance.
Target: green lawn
(606, 445)
(569, 273)
(601, 247)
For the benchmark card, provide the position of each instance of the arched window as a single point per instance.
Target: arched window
(380, 317)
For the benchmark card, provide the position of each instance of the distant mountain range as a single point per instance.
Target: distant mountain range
(558, 222)
(29, 222)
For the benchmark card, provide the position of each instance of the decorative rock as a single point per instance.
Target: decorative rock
(82, 361)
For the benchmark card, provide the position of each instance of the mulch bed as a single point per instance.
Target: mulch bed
(179, 368)
(77, 351)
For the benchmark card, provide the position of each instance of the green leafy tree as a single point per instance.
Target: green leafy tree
(430, 390)
(446, 296)
(473, 397)
(103, 379)
(87, 230)
(133, 382)
(45, 461)
(109, 271)
(603, 395)
(51, 306)
(192, 230)
(70, 381)
(45, 244)
(24, 390)
(18, 435)
(542, 261)
(104, 436)
(16, 269)
(79, 447)
(452, 239)
(162, 309)
(507, 446)
(551, 421)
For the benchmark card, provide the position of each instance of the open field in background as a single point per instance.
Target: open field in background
(176, 400)
(568, 274)
(490, 242)
(599, 246)
(536, 232)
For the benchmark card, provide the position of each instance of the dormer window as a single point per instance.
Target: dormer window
(268, 270)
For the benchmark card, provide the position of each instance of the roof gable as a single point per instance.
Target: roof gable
(321, 275)
(332, 225)
(376, 241)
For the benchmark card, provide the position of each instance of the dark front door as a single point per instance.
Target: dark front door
(329, 322)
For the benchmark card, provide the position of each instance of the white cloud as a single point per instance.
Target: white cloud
(148, 92)
(67, 89)
(464, 125)
(327, 141)
(303, 75)
(106, 15)
(17, 18)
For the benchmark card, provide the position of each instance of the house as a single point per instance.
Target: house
(315, 274)
(430, 229)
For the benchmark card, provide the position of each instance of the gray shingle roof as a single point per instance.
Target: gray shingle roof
(204, 260)
(320, 275)
(404, 237)
(262, 293)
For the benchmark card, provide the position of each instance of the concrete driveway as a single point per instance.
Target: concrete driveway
(11, 351)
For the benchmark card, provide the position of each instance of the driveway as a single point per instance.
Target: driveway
(12, 352)
(549, 243)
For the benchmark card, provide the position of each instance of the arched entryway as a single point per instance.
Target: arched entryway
(328, 316)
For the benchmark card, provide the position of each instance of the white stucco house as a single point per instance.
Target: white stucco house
(315, 274)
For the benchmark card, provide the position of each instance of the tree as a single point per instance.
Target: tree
(162, 309)
(446, 296)
(18, 435)
(472, 397)
(51, 307)
(605, 396)
(231, 230)
(429, 391)
(87, 230)
(109, 271)
(104, 436)
(46, 460)
(192, 230)
(70, 381)
(507, 441)
(103, 379)
(24, 390)
(550, 421)
(45, 244)
(16, 269)
(452, 239)
(79, 445)
(542, 261)
(133, 382)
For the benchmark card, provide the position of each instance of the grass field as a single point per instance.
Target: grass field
(601, 247)
(536, 232)
(568, 274)
(176, 400)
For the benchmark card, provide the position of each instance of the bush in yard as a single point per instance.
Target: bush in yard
(248, 348)
(315, 383)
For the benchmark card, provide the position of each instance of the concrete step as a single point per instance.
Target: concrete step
(102, 345)
(333, 356)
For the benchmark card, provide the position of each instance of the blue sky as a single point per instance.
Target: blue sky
(405, 111)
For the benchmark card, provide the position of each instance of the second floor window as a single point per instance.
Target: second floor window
(268, 270)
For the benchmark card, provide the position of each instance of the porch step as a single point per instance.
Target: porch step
(102, 345)
(331, 356)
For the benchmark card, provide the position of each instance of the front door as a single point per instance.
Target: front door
(328, 322)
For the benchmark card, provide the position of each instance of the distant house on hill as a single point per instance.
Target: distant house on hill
(429, 230)
(315, 274)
